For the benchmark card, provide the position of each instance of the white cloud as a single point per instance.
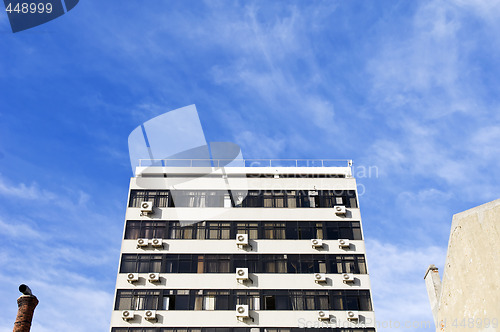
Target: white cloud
(24, 191)
(427, 89)
(64, 305)
(262, 66)
(18, 230)
(253, 144)
(485, 144)
(397, 278)
(58, 253)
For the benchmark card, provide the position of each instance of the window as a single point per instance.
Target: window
(145, 229)
(160, 198)
(137, 300)
(270, 302)
(331, 198)
(255, 299)
(250, 228)
(141, 263)
(274, 230)
(253, 198)
(225, 230)
(198, 198)
(256, 263)
(237, 329)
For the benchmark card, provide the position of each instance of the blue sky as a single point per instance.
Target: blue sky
(407, 87)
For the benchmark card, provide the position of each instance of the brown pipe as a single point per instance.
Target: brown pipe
(26, 304)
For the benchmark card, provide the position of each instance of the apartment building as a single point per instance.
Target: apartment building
(262, 246)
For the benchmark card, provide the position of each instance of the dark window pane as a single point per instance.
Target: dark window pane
(182, 302)
(269, 303)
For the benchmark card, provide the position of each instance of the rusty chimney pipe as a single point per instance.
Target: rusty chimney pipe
(26, 304)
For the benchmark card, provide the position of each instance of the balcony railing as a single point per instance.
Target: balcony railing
(245, 163)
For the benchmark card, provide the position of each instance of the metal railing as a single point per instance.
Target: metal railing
(245, 162)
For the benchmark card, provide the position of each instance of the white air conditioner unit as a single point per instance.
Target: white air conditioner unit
(242, 311)
(352, 315)
(313, 193)
(132, 277)
(344, 243)
(157, 243)
(242, 273)
(146, 208)
(317, 243)
(339, 210)
(150, 315)
(141, 243)
(242, 240)
(348, 278)
(127, 315)
(323, 315)
(154, 277)
(320, 278)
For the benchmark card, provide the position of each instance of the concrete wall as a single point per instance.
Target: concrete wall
(470, 292)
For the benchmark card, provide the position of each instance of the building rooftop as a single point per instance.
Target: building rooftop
(286, 167)
(245, 162)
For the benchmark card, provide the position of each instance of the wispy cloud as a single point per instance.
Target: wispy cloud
(397, 277)
(409, 87)
(23, 191)
(48, 248)
(426, 85)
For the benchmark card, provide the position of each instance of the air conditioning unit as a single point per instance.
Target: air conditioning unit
(142, 243)
(344, 243)
(242, 273)
(320, 278)
(127, 315)
(242, 311)
(348, 278)
(154, 277)
(150, 315)
(352, 315)
(242, 240)
(146, 208)
(157, 243)
(317, 243)
(323, 315)
(339, 210)
(132, 277)
(313, 193)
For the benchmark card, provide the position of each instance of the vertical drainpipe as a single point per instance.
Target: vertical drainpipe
(26, 304)
(433, 284)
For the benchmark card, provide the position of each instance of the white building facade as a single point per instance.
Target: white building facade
(243, 249)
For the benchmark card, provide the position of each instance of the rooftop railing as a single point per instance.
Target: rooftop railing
(245, 163)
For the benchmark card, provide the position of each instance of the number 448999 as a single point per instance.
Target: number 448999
(30, 8)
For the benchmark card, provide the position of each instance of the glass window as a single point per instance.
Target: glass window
(318, 231)
(291, 199)
(254, 198)
(182, 302)
(132, 230)
(128, 263)
(256, 263)
(351, 303)
(123, 300)
(269, 302)
(305, 230)
(223, 300)
(209, 302)
(283, 302)
(293, 264)
(169, 302)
